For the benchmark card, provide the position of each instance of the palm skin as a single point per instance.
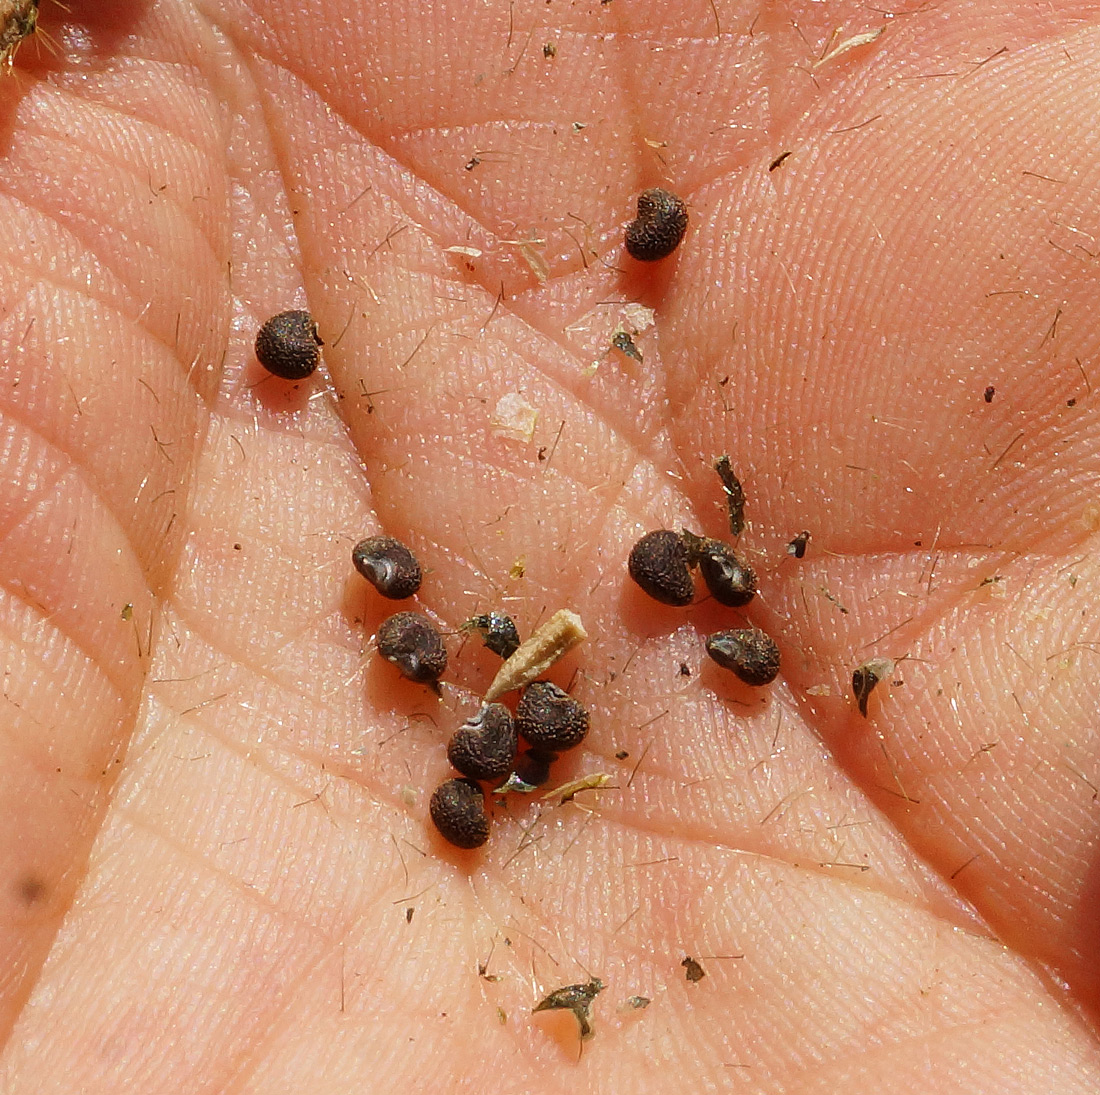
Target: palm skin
(220, 874)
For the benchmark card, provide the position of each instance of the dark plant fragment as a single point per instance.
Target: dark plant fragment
(867, 677)
(577, 999)
(497, 630)
(735, 495)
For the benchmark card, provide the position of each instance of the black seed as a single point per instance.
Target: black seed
(747, 652)
(735, 495)
(412, 643)
(797, 547)
(867, 677)
(659, 564)
(485, 746)
(659, 227)
(989, 393)
(692, 970)
(458, 812)
(549, 718)
(288, 345)
(498, 632)
(730, 580)
(388, 565)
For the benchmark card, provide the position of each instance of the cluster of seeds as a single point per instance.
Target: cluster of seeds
(486, 747)
(661, 563)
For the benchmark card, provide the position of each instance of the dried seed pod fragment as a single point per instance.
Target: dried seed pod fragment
(551, 641)
(388, 565)
(457, 810)
(288, 345)
(659, 226)
(577, 999)
(867, 677)
(549, 718)
(735, 495)
(484, 747)
(729, 578)
(498, 632)
(747, 652)
(410, 640)
(659, 565)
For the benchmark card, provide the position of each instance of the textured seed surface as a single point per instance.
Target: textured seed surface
(550, 718)
(659, 227)
(388, 565)
(289, 346)
(747, 652)
(457, 809)
(554, 639)
(411, 641)
(485, 746)
(498, 632)
(735, 494)
(867, 677)
(659, 564)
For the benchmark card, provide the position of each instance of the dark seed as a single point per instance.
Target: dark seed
(692, 970)
(735, 495)
(797, 547)
(413, 644)
(659, 564)
(498, 632)
(484, 747)
(747, 652)
(458, 812)
(659, 227)
(989, 393)
(867, 677)
(388, 565)
(532, 770)
(288, 345)
(549, 718)
(730, 580)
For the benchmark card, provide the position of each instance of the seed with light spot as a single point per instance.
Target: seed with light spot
(289, 346)
(659, 564)
(549, 718)
(747, 652)
(729, 578)
(659, 227)
(457, 810)
(485, 746)
(410, 640)
(388, 565)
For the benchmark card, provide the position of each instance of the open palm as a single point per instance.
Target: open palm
(218, 873)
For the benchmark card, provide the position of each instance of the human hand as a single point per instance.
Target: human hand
(220, 873)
